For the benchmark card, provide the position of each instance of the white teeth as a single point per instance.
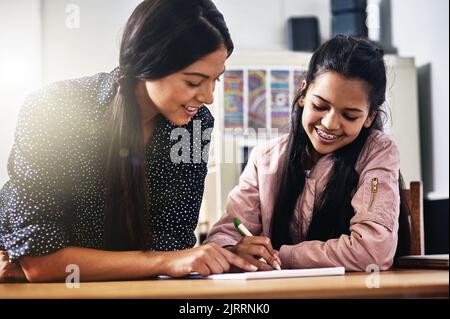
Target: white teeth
(325, 135)
(190, 109)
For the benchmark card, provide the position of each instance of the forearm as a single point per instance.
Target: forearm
(94, 265)
(368, 244)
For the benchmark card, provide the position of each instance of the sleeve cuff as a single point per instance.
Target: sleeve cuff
(33, 241)
(222, 242)
(286, 257)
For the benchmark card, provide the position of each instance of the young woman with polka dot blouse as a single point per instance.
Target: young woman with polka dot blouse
(97, 175)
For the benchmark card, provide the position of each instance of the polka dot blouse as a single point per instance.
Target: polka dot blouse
(55, 195)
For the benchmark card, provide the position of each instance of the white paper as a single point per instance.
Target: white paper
(284, 273)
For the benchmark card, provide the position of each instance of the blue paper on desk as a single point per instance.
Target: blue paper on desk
(284, 273)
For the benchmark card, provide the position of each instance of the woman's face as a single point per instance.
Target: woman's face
(178, 96)
(335, 111)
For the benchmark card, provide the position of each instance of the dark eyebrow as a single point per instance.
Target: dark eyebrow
(201, 74)
(347, 108)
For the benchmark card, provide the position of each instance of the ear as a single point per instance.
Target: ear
(370, 119)
(301, 101)
(303, 86)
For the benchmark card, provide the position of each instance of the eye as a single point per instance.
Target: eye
(350, 118)
(319, 108)
(193, 85)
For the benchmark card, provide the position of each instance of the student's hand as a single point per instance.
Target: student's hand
(10, 272)
(252, 248)
(205, 260)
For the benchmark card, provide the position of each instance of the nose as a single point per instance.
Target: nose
(331, 121)
(206, 94)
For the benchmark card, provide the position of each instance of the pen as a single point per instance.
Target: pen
(245, 232)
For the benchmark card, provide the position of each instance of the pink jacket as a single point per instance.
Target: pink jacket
(373, 229)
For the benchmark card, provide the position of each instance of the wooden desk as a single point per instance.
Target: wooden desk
(393, 284)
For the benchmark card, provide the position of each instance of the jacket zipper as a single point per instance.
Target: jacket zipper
(373, 193)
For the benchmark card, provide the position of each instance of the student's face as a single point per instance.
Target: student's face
(178, 96)
(335, 111)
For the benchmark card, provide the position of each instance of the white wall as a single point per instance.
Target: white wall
(72, 49)
(20, 71)
(420, 29)
(261, 24)
(39, 46)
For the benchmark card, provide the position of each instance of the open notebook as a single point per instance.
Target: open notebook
(284, 273)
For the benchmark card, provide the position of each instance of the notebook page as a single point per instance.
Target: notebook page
(284, 273)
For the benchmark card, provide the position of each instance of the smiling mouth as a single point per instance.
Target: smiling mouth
(327, 136)
(190, 108)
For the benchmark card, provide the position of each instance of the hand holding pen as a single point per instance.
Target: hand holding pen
(260, 246)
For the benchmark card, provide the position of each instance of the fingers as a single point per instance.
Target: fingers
(215, 261)
(4, 255)
(10, 272)
(239, 261)
(259, 240)
(260, 263)
(202, 269)
(219, 260)
(264, 241)
(210, 260)
(4, 266)
(259, 246)
(16, 273)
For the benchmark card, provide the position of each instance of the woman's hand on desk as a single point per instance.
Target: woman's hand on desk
(10, 272)
(253, 248)
(205, 260)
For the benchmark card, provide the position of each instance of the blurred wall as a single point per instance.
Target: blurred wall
(82, 37)
(261, 24)
(20, 66)
(420, 29)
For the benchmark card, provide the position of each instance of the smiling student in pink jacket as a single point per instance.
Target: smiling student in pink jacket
(328, 193)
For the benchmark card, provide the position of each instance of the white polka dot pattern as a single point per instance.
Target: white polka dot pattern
(55, 195)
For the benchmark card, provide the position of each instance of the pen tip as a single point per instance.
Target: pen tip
(237, 222)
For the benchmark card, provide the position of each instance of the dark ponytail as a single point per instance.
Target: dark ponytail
(161, 37)
(126, 226)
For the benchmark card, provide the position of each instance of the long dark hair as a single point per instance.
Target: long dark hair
(352, 58)
(161, 37)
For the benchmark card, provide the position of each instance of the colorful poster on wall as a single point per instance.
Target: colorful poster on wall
(257, 99)
(280, 108)
(233, 99)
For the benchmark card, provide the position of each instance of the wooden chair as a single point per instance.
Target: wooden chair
(414, 199)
